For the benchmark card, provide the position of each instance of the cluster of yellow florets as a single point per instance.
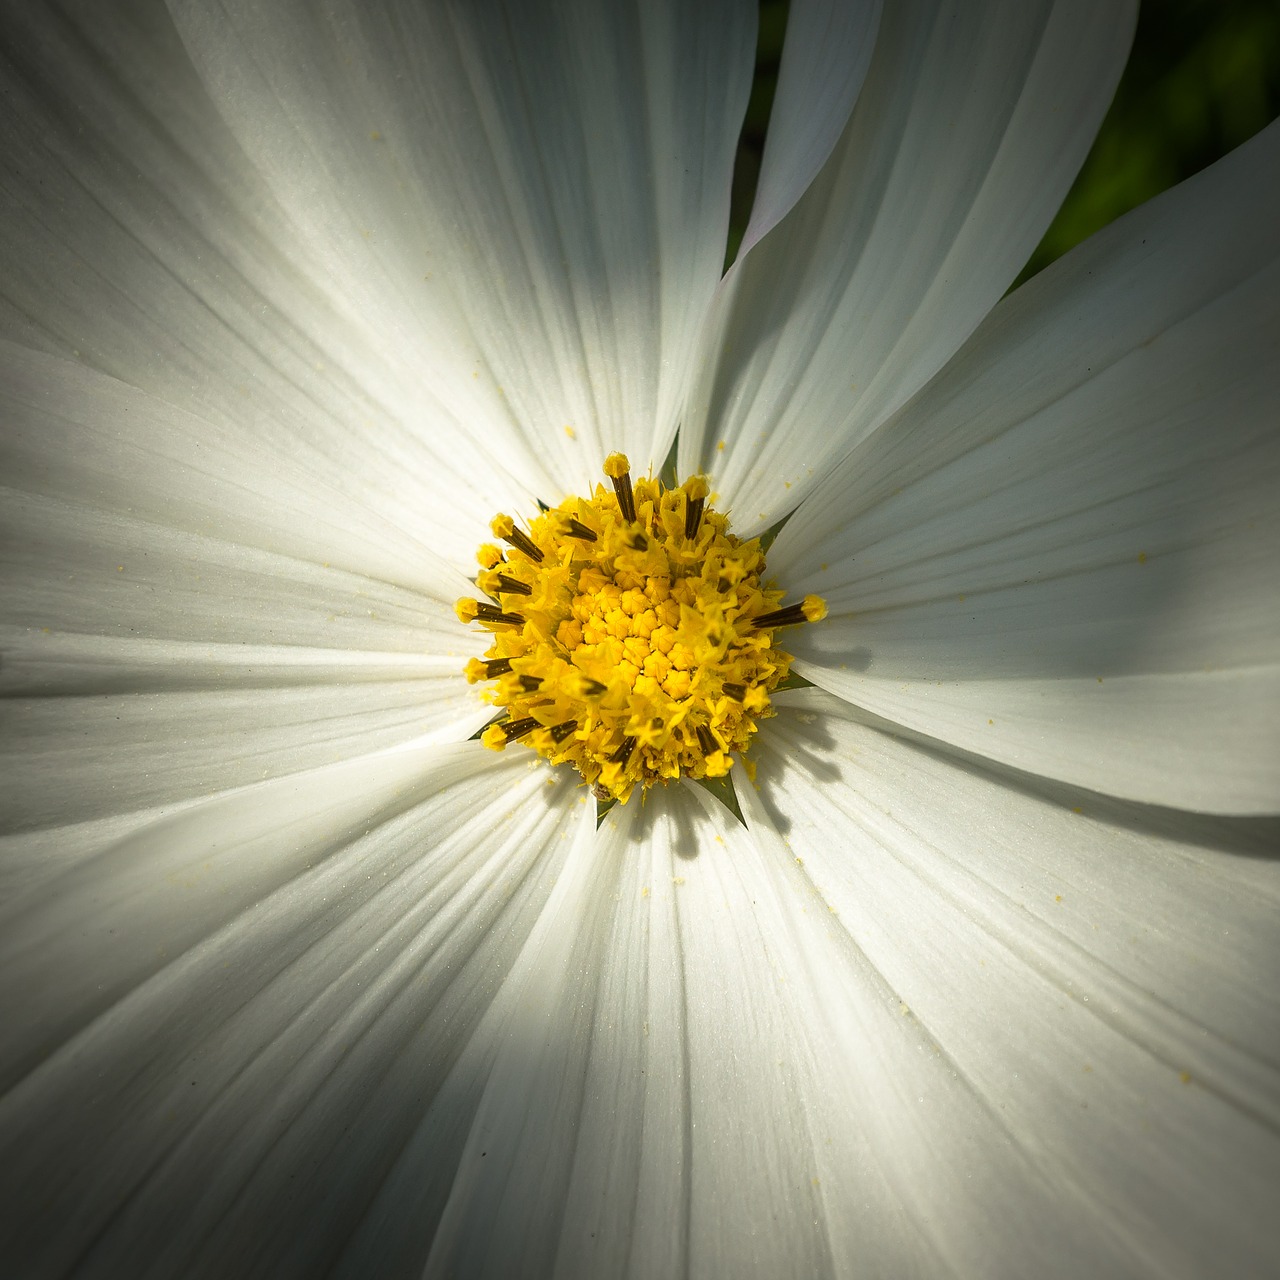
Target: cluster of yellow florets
(632, 637)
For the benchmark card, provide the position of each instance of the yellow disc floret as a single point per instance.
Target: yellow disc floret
(632, 634)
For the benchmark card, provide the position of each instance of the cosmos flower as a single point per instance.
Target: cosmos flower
(299, 978)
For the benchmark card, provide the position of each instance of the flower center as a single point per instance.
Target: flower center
(632, 634)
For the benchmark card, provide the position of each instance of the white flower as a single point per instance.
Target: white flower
(298, 980)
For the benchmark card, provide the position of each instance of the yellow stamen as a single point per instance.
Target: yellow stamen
(643, 646)
(504, 527)
(810, 609)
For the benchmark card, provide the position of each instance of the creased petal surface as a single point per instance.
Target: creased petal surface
(139, 240)
(1062, 554)
(178, 621)
(527, 202)
(224, 1027)
(967, 134)
(828, 49)
(647, 1111)
(1094, 987)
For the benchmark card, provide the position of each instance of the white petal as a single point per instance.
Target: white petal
(72, 434)
(508, 1194)
(699, 1073)
(528, 203)
(646, 1113)
(824, 62)
(1062, 554)
(140, 240)
(967, 134)
(1097, 977)
(73, 758)
(221, 1030)
(178, 622)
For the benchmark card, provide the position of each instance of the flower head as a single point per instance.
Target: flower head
(633, 636)
(299, 977)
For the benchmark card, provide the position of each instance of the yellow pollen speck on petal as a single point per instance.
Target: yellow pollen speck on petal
(633, 634)
(571, 433)
(1142, 557)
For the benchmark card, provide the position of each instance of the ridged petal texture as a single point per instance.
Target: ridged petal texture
(257, 1002)
(1062, 553)
(469, 170)
(970, 127)
(296, 980)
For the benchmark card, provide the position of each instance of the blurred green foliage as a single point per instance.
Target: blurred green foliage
(1203, 77)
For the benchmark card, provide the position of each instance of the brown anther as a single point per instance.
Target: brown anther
(530, 684)
(705, 740)
(790, 616)
(618, 469)
(505, 528)
(695, 500)
(623, 752)
(513, 588)
(513, 729)
(496, 667)
(576, 529)
(738, 692)
(491, 613)
(559, 732)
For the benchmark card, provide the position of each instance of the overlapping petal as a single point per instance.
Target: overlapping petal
(314, 310)
(1097, 977)
(1062, 554)
(179, 619)
(828, 49)
(140, 241)
(526, 202)
(662, 1090)
(968, 131)
(224, 1026)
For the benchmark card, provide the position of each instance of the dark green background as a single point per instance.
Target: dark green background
(1204, 76)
